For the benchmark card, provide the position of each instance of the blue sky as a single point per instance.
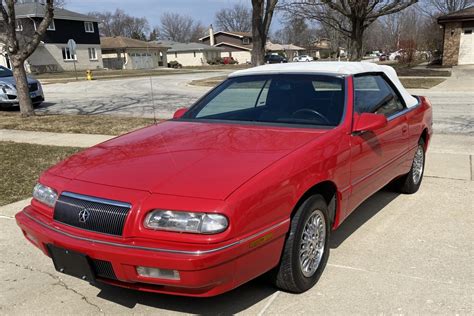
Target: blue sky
(202, 10)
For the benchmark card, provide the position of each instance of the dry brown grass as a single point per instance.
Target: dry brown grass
(21, 166)
(82, 124)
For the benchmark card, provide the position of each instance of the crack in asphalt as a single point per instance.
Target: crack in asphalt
(58, 280)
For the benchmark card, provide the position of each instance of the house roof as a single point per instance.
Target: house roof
(37, 10)
(187, 47)
(246, 47)
(120, 42)
(235, 34)
(281, 47)
(330, 67)
(461, 15)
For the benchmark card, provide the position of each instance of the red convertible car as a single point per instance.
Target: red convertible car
(251, 179)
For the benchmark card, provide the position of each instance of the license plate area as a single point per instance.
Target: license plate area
(71, 263)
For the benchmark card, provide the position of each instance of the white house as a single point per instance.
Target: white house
(191, 54)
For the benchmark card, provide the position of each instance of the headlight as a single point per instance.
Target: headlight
(4, 85)
(188, 222)
(45, 195)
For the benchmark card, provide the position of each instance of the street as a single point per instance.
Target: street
(453, 108)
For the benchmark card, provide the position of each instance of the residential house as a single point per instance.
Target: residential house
(53, 53)
(289, 50)
(234, 44)
(458, 46)
(191, 54)
(127, 53)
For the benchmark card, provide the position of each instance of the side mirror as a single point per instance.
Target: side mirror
(179, 113)
(369, 122)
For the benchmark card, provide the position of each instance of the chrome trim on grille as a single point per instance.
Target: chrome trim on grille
(96, 199)
(184, 252)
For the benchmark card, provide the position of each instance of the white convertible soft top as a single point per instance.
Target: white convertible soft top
(330, 67)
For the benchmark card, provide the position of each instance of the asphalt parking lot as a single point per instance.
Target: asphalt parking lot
(396, 254)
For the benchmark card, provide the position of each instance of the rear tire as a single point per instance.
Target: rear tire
(306, 249)
(410, 183)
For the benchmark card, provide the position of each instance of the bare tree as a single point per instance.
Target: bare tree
(19, 51)
(235, 19)
(262, 15)
(447, 6)
(296, 31)
(351, 18)
(180, 28)
(119, 23)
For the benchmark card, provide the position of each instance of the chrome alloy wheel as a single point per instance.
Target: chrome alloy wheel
(418, 163)
(312, 243)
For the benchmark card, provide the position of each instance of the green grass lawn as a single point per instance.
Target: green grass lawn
(21, 166)
(82, 124)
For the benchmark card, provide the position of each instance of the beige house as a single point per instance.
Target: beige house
(127, 53)
(289, 50)
(458, 46)
(191, 54)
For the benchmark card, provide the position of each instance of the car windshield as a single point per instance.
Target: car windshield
(286, 99)
(5, 72)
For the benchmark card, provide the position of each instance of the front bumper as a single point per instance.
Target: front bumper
(202, 273)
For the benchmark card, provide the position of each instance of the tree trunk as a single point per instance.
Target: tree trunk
(357, 37)
(26, 107)
(258, 51)
(258, 36)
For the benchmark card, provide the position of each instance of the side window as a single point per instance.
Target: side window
(372, 94)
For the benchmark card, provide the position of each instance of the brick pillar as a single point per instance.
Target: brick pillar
(452, 38)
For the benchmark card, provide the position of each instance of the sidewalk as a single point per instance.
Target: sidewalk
(52, 139)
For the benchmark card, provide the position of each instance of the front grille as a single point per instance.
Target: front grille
(103, 269)
(11, 97)
(32, 87)
(90, 213)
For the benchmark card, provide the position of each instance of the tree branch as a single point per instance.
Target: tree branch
(28, 49)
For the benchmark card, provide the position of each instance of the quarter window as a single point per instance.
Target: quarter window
(373, 94)
(92, 53)
(67, 54)
(89, 27)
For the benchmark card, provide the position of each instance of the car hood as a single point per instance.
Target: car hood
(195, 159)
(11, 80)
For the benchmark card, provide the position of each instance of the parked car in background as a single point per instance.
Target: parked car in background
(275, 59)
(8, 93)
(396, 55)
(252, 178)
(383, 57)
(303, 58)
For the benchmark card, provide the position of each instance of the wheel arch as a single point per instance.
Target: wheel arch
(328, 190)
(425, 136)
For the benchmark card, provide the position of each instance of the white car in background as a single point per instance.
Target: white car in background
(303, 58)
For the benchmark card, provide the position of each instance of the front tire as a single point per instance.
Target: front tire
(410, 183)
(306, 249)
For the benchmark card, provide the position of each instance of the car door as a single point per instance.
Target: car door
(376, 156)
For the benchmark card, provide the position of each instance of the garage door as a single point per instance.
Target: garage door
(142, 61)
(466, 47)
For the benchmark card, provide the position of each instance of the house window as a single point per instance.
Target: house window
(92, 53)
(51, 26)
(246, 41)
(19, 26)
(89, 27)
(67, 54)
